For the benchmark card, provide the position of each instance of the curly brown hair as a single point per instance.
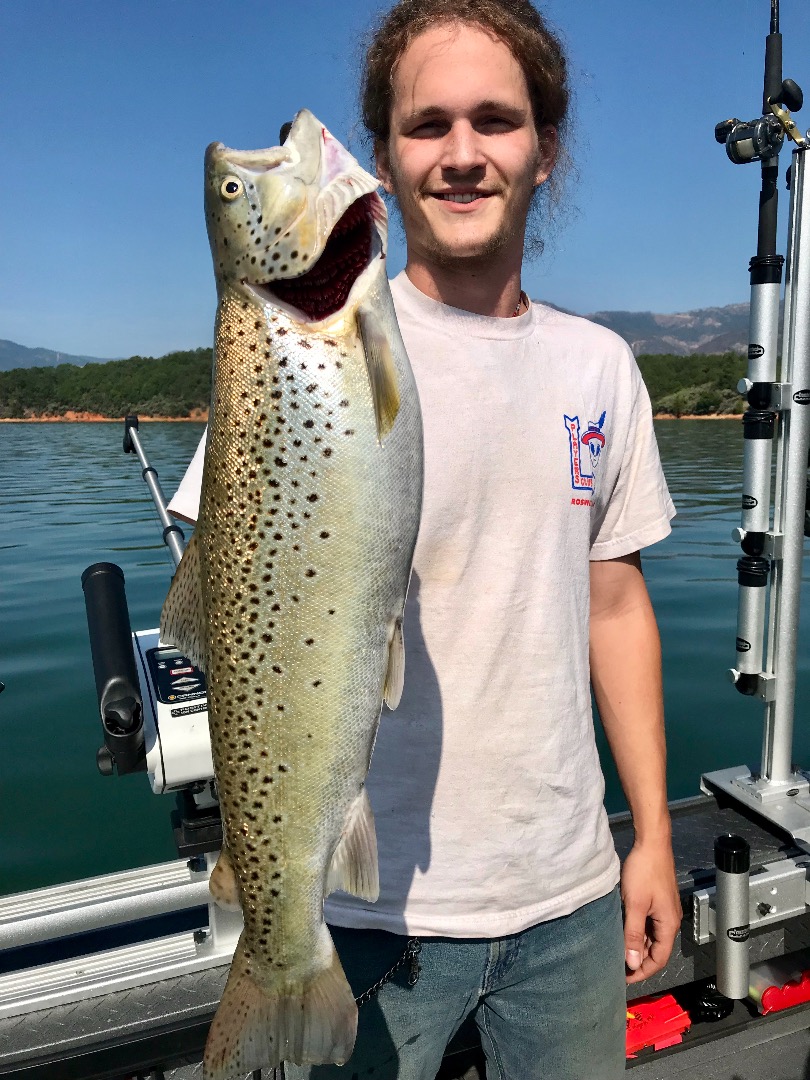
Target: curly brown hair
(516, 23)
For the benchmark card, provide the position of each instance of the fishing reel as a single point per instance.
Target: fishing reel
(757, 140)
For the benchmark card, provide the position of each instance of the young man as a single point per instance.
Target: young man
(542, 482)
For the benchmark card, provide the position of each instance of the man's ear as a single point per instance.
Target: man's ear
(383, 162)
(547, 153)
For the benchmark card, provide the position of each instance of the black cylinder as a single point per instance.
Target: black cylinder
(752, 571)
(117, 687)
(732, 854)
(758, 424)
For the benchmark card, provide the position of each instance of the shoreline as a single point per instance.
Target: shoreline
(71, 417)
(200, 416)
(698, 416)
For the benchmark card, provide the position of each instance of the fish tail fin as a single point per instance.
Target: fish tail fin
(255, 1029)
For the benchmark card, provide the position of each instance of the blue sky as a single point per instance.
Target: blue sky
(110, 105)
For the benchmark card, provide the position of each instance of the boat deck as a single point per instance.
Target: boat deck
(159, 1029)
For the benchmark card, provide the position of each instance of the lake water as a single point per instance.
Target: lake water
(71, 498)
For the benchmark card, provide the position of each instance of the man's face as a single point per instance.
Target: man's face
(463, 157)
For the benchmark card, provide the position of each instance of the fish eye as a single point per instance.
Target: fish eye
(231, 188)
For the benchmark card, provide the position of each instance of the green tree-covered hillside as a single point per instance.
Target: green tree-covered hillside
(694, 385)
(180, 382)
(171, 385)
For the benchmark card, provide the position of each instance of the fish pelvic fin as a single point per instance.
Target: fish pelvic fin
(395, 674)
(354, 864)
(313, 1024)
(223, 885)
(181, 621)
(382, 372)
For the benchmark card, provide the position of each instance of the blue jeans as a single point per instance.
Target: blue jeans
(549, 1002)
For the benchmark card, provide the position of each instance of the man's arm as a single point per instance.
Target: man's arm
(626, 680)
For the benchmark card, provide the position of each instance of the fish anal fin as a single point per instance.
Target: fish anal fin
(255, 1028)
(382, 372)
(181, 621)
(354, 863)
(223, 884)
(395, 674)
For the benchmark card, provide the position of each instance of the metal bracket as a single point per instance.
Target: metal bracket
(774, 542)
(786, 804)
(781, 396)
(776, 891)
(787, 122)
(766, 684)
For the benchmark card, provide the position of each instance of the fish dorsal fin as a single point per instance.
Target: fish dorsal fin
(382, 372)
(395, 675)
(222, 883)
(181, 621)
(354, 863)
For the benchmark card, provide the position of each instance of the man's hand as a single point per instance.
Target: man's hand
(652, 908)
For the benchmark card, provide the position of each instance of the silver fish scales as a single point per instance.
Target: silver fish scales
(291, 592)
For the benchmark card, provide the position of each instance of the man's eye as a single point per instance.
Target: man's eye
(429, 130)
(496, 123)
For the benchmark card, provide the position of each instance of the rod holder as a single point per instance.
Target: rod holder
(119, 696)
(732, 858)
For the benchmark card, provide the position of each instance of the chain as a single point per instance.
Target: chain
(409, 957)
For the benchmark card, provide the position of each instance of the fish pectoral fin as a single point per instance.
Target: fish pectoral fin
(382, 372)
(395, 675)
(255, 1028)
(354, 863)
(223, 884)
(181, 621)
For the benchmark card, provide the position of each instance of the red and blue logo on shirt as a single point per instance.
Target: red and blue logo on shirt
(585, 450)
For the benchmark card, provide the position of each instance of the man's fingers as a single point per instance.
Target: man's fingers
(635, 917)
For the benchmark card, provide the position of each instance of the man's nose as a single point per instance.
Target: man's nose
(462, 149)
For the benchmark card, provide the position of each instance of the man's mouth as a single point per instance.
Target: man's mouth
(461, 196)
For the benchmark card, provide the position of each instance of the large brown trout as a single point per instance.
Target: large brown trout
(291, 592)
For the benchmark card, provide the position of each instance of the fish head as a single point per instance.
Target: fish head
(297, 224)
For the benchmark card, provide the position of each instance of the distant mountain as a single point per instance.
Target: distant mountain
(13, 355)
(706, 330)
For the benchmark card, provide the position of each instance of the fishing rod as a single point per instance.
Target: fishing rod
(777, 396)
(173, 535)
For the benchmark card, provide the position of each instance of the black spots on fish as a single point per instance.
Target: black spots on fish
(276, 256)
(309, 641)
(282, 464)
(267, 638)
(281, 331)
(282, 362)
(283, 768)
(343, 403)
(312, 498)
(327, 451)
(244, 787)
(327, 425)
(310, 572)
(331, 611)
(348, 431)
(277, 230)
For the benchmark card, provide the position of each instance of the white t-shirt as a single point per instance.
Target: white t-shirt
(485, 783)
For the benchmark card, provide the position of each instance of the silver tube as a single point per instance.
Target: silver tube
(732, 858)
(763, 331)
(756, 502)
(778, 767)
(750, 623)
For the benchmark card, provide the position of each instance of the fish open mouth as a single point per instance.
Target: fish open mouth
(325, 287)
